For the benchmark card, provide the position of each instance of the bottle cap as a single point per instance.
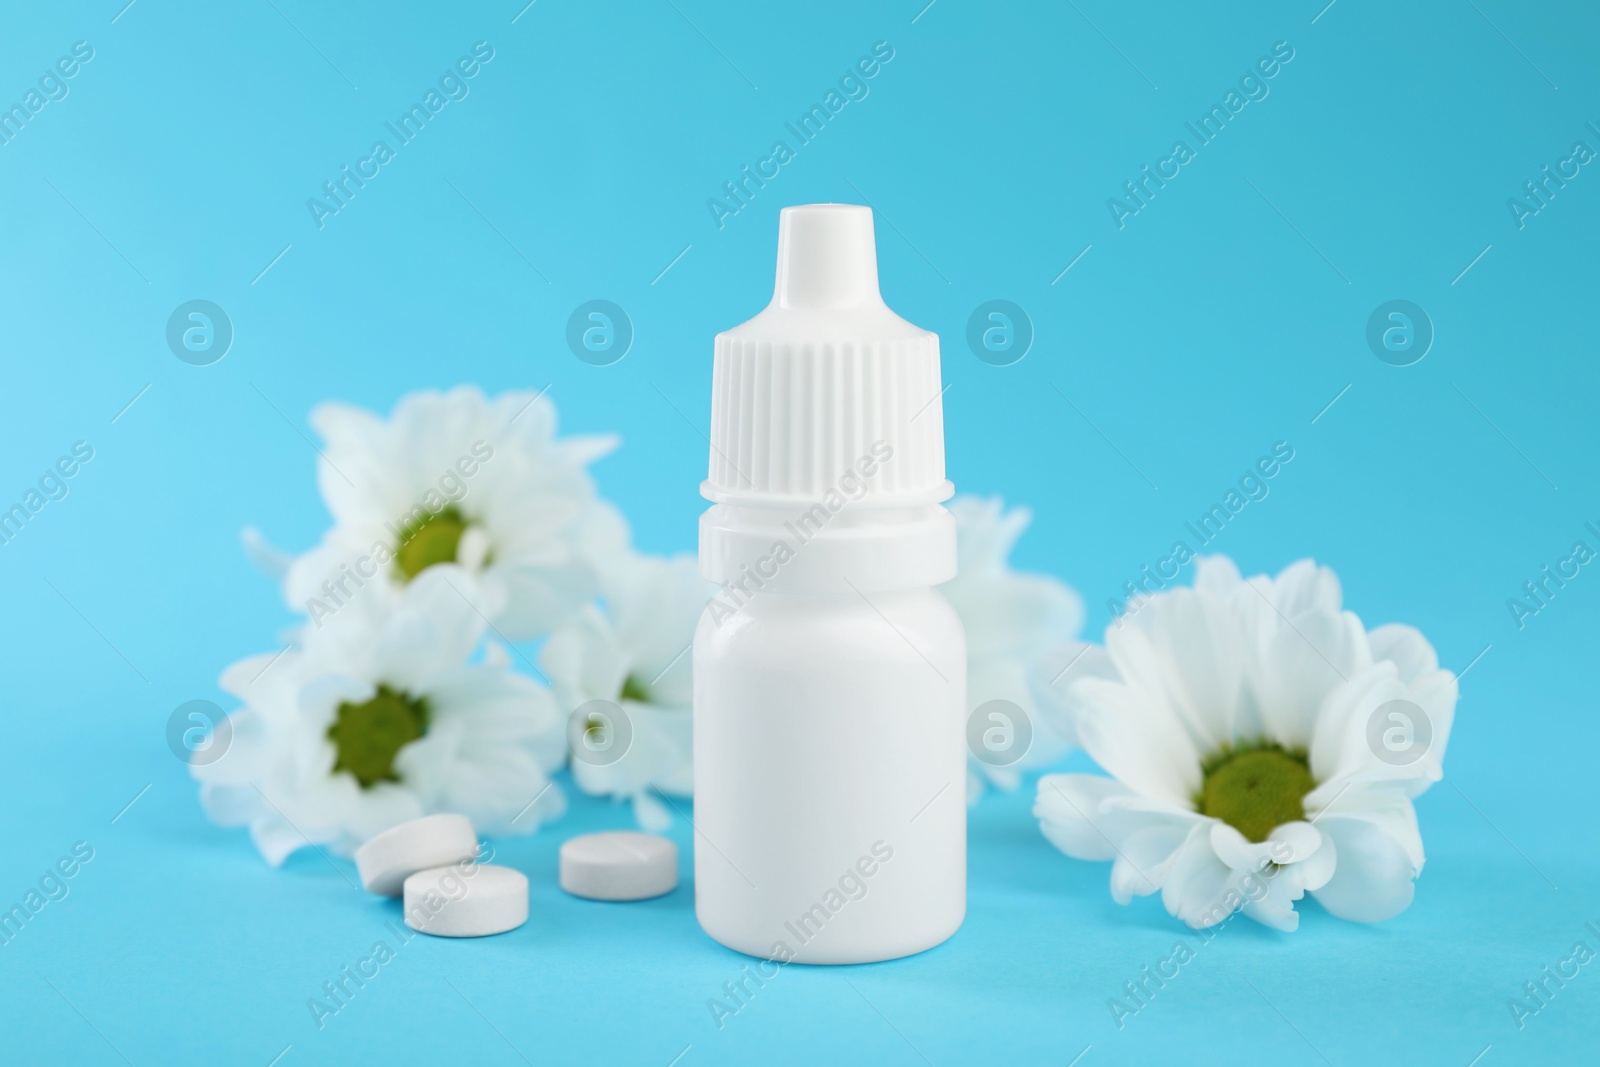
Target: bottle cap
(826, 385)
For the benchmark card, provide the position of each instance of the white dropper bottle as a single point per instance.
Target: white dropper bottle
(829, 674)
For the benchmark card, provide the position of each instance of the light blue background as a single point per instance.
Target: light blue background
(1223, 318)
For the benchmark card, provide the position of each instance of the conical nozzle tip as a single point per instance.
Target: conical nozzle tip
(827, 257)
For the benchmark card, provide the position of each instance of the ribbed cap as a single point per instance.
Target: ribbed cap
(826, 379)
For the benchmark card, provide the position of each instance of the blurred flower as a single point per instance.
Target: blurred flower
(378, 718)
(1014, 622)
(632, 659)
(1261, 744)
(462, 482)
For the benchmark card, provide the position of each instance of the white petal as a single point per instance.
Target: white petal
(430, 634)
(1008, 680)
(1436, 694)
(1317, 869)
(383, 806)
(1339, 744)
(1384, 804)
(473, 548)
(268, 558)
(1216, 575)
(259, 680)
(661, 746)
(1145, 856)
(540, 596)
(1194, 658)
(601, 534)
(1052, 676)
(985, 534)
(1373, 879)
(1375, 716)
(1092, 817)
(275, 839)
(231, 805)
(1273, 910)
(1303, 588)
(654, 605)
(249, 754)
(650, 813)
(1138, 741)
(1301, 662)
(1048, 747)
(1286, 844)
(584, 661)
(306, 573)
(1406, 648)
(1198, 886)
(584, 449)
(322, 694)
(351, 472)
(1066, 805)
(1271, 875)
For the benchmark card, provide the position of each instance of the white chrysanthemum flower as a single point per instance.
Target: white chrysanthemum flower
(458, 480)
(627, 666)
(378, 718)
(1261, 744)
(1013, 620)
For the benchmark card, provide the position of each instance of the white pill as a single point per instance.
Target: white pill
(387, 860)
(466, 900)
(619, 865)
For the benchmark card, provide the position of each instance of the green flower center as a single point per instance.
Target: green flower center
(429, 540)
(1255, 787)
(633, 689)
(368, 736)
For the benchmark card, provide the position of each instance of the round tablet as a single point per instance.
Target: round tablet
(431, 841)
(619, 865)
(466, 900)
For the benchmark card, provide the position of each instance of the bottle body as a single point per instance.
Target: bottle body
(830, 775)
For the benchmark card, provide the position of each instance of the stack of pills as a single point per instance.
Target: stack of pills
(432, 863)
